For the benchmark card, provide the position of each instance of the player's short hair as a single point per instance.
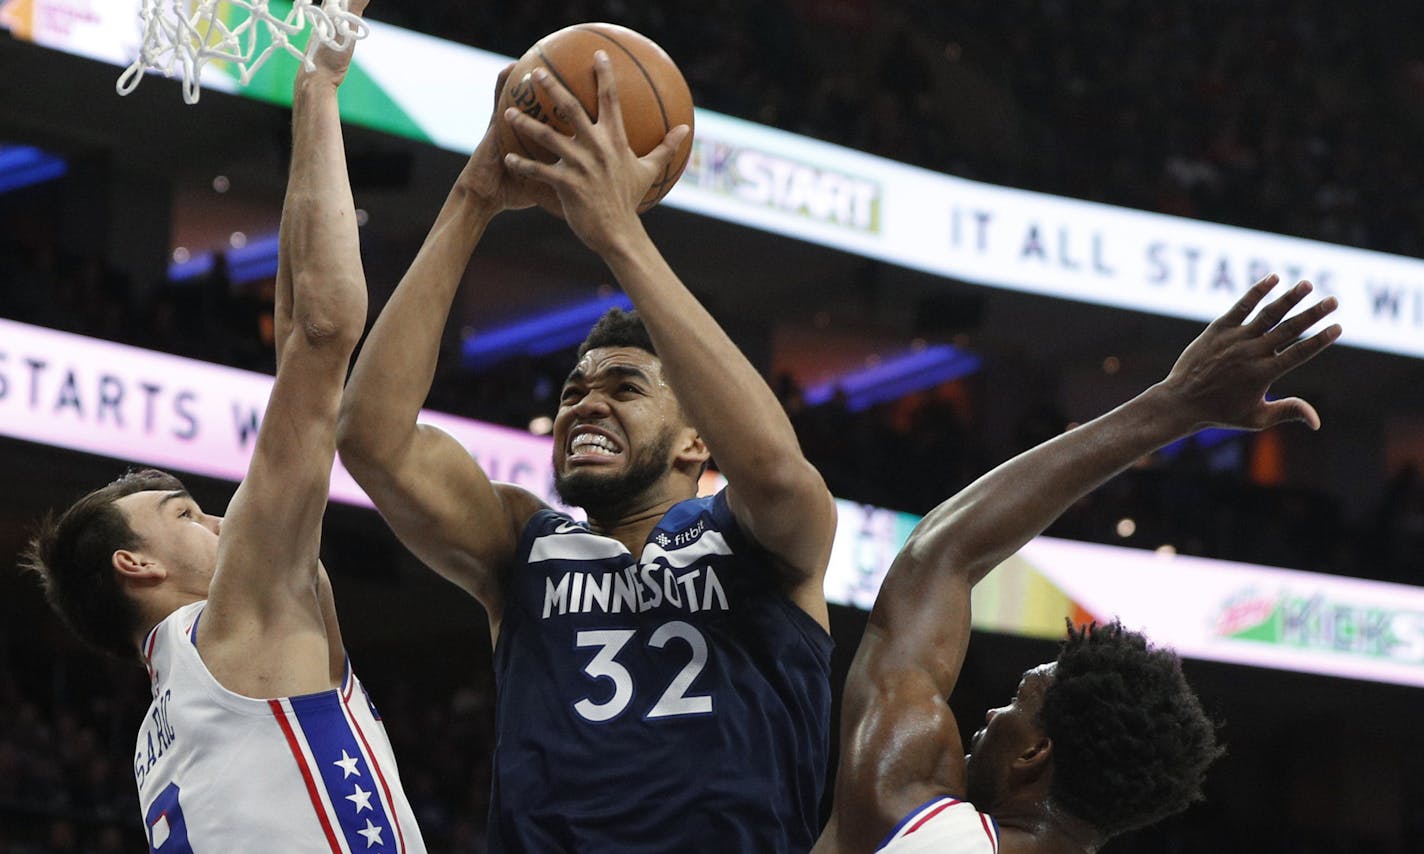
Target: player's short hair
(1131, 742)
(618, 328)
(73, 555)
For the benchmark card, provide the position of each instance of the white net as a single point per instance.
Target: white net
(181, 36)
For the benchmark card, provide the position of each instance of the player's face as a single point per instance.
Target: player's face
(615, 429)
(177, 534)
(1007, 733)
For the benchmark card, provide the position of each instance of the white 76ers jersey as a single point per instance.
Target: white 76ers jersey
(943, 826)
(219, 772)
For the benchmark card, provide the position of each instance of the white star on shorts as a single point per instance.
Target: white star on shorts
(348, 765)
(362, 799)
(373, 834)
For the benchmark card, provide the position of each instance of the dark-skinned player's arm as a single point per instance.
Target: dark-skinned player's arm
(269, 627)
(775, 493)
(434, 495)
(900, 744)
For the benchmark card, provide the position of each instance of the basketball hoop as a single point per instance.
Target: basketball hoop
(181, 36)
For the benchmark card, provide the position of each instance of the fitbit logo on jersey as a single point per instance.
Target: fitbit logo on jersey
(633, 590)
(681, 538)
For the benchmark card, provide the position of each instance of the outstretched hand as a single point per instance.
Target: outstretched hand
(332, 62)
(600, 181)
(1222, 377)
(485, 176)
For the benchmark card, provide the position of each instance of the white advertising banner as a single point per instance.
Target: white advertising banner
(1245, 614)
(439, 92)
(1206, 609)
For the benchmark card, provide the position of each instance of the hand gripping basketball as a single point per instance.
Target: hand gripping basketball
(653, 95)
(601, 182)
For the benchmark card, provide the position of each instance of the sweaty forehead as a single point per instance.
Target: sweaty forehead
(1039, 678)
(603, 361)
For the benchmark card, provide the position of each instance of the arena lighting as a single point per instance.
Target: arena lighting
(24, 166)
(257, 259)
(254, 261)
(802, 188)
(539, 335)
(896, 377)
(1208, 438)
(191, 267)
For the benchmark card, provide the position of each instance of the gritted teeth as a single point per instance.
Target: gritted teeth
(593, 443)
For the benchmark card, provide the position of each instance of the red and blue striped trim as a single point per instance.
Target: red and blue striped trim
(925, 812)
(281, 715)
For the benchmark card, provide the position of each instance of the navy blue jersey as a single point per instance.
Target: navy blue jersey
(679, 702)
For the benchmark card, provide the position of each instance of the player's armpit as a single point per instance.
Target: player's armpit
(443, 507)
(793, 518)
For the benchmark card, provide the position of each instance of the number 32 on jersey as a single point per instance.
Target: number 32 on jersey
(674, 701)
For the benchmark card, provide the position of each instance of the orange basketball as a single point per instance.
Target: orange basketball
(654, 96)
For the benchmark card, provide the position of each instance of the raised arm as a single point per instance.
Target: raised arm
(899, 740)
(267, 630)
(776, 494)
(432, 492)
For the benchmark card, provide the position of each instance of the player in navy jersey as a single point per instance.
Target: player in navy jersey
(663, 670)
(1107, 738)
(259, 736)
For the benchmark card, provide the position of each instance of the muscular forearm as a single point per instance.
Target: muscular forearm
(321, 289)
(393, 375)
(722, 394)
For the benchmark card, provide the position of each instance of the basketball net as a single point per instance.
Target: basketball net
(181, 36)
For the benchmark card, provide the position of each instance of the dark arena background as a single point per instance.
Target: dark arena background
(919, 325)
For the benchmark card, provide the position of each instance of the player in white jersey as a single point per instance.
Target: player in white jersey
(218, 770)
(1107, 738)
(944, 826)
(258, 738)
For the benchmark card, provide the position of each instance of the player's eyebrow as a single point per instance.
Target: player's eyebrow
(619, 371)
(175, 494)
(627, 372)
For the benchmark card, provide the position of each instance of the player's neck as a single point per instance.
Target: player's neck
(632, 522)
(1041, 828)
(156, 608)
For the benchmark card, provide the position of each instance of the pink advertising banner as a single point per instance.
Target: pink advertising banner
(154, 409)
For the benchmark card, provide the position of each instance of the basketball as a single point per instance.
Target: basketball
(651, 90)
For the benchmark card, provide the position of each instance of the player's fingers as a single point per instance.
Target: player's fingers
(610, 112)
(1303, 351)
(529, 169)
(355, 7)
(1267, 318)
(667, 149)
(1237, 314)
(567, 108)
(1293, 327)
(1288, 409)
(536, 131)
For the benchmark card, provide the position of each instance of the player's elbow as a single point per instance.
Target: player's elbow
(941, 542)
(356, 440)
(336, 332)
(330, 312)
